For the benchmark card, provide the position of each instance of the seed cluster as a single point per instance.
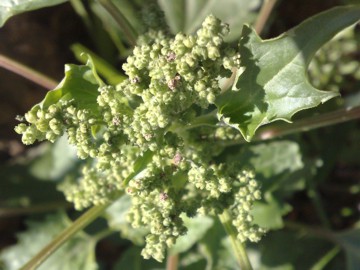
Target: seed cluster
(138, 139)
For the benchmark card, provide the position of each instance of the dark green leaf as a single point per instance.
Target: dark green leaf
(20, 187)
(350, 241)
(287, 250)
(273, 83)
(133, 260)
(77, 253)
(9, 8)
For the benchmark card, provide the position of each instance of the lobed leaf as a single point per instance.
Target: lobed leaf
(273, 83)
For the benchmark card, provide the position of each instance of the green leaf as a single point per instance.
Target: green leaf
(132, 259)
(273, 83)
(197, 228)
(55, 162)
(268, 215)
(139, 165)
(80, 83)
(77, 253)
(278, 165)
(20, 187)
(9, 8)
(287, 250)
(350, 241)
(110, 73)
(116, 216)
(187, 15)
(211, 244)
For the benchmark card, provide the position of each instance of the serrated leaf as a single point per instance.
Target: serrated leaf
(187, 15)
(77, 253)
(273, 83)
(9, 8)
(197, 228)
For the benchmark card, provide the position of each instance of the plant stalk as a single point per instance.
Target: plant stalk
(172, 262)
(26, 72)
(40, 208)
(327, 119)
(306, 124)
(238, 247)
(264, 14)
(65, 235)
(128, 30)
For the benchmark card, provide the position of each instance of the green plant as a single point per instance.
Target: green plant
(167, 145)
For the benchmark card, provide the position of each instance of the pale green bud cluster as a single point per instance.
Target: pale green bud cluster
(51, 122)
(172, 81)
(44, 124)
(170, 75)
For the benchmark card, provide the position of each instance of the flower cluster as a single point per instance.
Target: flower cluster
(140, 137)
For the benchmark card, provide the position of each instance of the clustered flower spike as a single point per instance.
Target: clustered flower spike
(137, 139)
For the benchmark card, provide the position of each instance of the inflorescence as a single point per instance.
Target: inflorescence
(148, 118)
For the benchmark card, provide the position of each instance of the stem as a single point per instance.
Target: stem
(27, 72)
(326, 258)
(128, 30)
(172, 262)
(102, 234)
(303, 125)
(313, 231)
(238, 247)
(65, 235)
(319, 207)
(264, 14)
(16, 211)
(313, 122)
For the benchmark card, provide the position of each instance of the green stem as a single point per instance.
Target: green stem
(264, 14)
(303, 125)
(319, 207)
(208, 119)
(238, 247)
(172, 262)
(311, 230)
(45, 207)
(65, 235)
(313, 122)
(26, 72)
(326, 258)
(102, 234)
(128, 30)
